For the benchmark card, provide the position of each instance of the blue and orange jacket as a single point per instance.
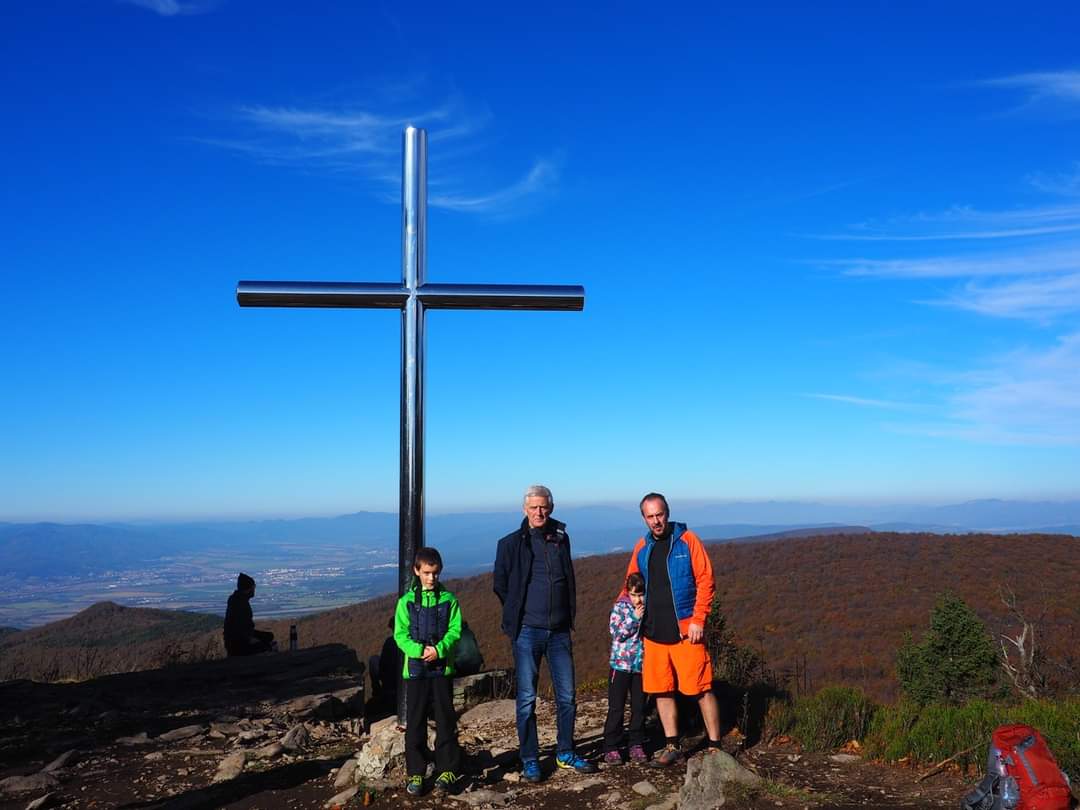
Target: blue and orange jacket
(689, 570)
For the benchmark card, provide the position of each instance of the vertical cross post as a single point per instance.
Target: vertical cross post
(413, 272)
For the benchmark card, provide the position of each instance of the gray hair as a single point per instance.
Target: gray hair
(538, 491)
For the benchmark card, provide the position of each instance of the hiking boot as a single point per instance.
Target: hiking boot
(638, 755)
(573, 762)
(414, 785)
(668, 756)
(613, 758)
(448, 782)
(530, 770)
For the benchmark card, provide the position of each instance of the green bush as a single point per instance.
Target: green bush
(955, 662)
(833, 716)
(928, 734)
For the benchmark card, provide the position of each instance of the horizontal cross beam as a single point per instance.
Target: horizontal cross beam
(376, 295)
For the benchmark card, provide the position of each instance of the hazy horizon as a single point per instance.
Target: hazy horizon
(515, 507)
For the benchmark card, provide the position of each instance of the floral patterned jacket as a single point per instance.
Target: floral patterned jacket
(625, 626)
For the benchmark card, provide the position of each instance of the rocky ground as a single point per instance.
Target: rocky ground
(283, 732)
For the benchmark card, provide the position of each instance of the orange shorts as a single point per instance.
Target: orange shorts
(685, 663)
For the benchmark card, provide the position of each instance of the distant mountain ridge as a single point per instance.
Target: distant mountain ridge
(58, 549)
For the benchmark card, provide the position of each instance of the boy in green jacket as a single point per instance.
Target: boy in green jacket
(427, 626)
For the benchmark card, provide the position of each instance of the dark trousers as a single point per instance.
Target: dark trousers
(438, 695)
(264, 642)
(621, 684)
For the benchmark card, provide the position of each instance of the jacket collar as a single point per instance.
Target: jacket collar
(677, 530)
(552, 526)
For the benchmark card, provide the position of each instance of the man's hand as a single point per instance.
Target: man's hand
(695, 633)
(431, 655)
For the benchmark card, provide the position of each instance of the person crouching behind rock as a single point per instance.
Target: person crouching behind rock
(427, 626)
(241, 637)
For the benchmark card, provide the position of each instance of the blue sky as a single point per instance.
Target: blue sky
(830, 253)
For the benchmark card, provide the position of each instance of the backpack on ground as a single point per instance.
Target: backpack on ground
(1021, 774)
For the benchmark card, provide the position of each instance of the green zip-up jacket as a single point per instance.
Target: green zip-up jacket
(427, 618)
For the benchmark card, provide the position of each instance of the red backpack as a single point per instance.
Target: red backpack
(1019, 752)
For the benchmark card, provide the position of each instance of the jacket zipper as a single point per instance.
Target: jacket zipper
(671, 585)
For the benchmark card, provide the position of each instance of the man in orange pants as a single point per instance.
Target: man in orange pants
(679, 589)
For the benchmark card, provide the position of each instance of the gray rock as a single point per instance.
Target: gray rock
(383, 753)
(40, 803)
(142, 738)
(154, 756)
(271, 751)
(703, 788)
(227, 729)
(37, 781)
(667, 804)
(643, 788)
(845, 758)
(476, 798)
(343, 797)
(345, 774)
(581, 785)
(297, 738)
(230, 768)
(182, 733)
(61, 761)
(495, 711)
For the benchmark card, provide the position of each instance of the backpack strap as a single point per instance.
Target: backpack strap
(984, 796)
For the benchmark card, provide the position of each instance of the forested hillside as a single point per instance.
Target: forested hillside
(835, 608)
(836, 605)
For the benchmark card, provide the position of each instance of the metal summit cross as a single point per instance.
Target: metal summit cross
(413, 296)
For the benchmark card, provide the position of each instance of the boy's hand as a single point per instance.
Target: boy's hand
(431, 655)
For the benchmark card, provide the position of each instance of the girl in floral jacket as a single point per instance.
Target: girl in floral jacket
(625, 677)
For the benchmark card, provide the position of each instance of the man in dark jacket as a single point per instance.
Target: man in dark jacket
(241, 637)
(534, 580)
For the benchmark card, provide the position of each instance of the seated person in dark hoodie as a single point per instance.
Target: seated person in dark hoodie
(241, 637)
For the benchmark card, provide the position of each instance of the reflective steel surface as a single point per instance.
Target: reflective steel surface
(375, 295)
(413, 297)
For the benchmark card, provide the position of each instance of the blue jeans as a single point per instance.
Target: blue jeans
(530, 646)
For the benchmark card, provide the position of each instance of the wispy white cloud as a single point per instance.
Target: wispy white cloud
(1041, 298)
(1022, 397)
(1040, 87)
(542, 177)
(1010, 233)
(173, 8)
(1063, 183)
(964, 223)
(864, 402)
(1033, 261)
(368, 143)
